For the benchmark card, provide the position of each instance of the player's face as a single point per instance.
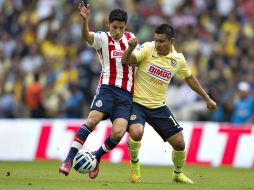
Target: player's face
(162, 44)
(116, 29)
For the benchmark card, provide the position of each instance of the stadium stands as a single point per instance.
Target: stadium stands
(43, 38)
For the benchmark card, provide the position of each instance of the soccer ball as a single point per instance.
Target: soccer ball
(84, 161)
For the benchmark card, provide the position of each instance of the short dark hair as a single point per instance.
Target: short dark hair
(119, 15)
(165, 29)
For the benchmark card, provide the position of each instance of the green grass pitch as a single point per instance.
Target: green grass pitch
(43, 175)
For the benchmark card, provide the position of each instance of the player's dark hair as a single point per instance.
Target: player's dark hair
(119, 15)
(165, 29)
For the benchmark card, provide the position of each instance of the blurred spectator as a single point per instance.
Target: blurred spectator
(74, 103)
(187, 105)
(243, 108)
(7, 102)
(33, 98)
(32, 62)
(43, 36)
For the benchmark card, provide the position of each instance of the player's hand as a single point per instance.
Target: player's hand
(133, 42)
(211, 105)
(84, 11)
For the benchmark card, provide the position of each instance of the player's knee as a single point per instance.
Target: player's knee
(136, 133)
(118, 132)
(92, 121)
(179, 145)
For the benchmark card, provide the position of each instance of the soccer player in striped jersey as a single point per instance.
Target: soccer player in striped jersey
(157, 63)
(113, 97)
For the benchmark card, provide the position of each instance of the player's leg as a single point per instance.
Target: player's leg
(81, 135)
(99, 109)
(119, 127)
(136, 131)
(118, 130)
(178, 153)
(178, 158)
(169, 130)
(119, 116)
(134, 143)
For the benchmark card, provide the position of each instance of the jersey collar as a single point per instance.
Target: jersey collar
(171, 52)
(113, 38)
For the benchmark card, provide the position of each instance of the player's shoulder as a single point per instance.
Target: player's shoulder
(178, 56)
(100, 32)
(145, 46)
(149, 44)
(100, 35)
(130, 34)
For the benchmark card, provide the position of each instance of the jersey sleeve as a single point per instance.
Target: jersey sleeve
(142, 52)
(97, 40)
(183, 69)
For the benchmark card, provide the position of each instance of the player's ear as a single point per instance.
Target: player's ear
(172, 40)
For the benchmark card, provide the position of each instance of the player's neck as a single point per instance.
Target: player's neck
(170, 51)
(114, 38)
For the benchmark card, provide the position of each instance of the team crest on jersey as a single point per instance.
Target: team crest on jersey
(173, 62)
(133, 117)
(117, 53)
(159, 73)
(98, 103)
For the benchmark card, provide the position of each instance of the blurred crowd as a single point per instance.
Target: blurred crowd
(47, 71)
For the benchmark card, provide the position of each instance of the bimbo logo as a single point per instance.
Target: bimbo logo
(159, 73)
(116, 53)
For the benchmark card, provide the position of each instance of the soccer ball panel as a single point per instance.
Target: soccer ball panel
(84, 161)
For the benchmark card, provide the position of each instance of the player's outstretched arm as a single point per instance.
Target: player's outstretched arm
(128, 57)
(84, 11)
(194, 84)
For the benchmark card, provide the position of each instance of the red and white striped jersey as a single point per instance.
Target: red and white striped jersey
(110, 52)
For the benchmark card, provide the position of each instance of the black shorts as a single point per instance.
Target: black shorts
(161, 119)
(113, 101)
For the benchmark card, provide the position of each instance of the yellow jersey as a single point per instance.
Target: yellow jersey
(154, 74)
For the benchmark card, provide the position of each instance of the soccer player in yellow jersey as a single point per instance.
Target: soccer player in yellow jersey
(157, 63)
